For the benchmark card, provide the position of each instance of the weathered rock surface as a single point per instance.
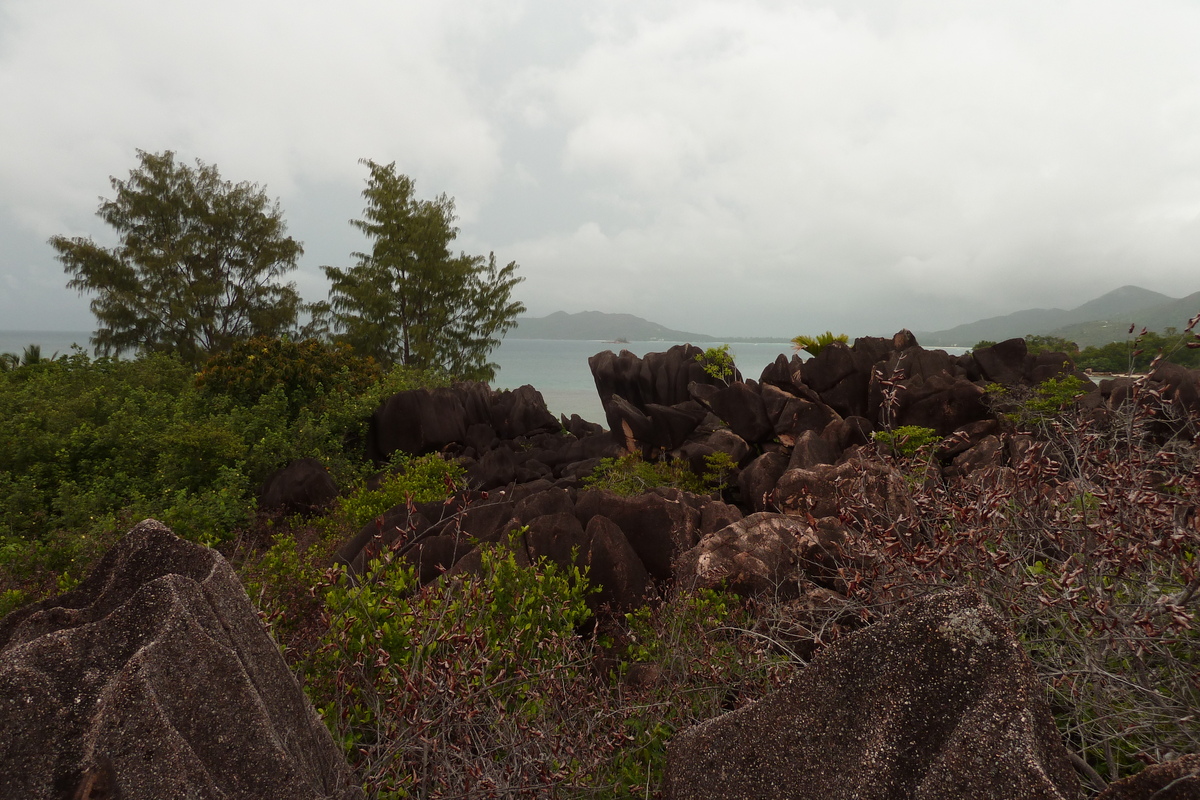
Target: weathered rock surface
(937, 701)
(1174, 780)
(425, 420)
(154, 678)
(303, 486)
(755, 555)
(771, 554)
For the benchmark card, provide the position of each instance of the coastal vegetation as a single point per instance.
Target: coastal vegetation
(410, 300)
(814, 344)
(1132, 355)
(433, 691)
(200, 265)
(1079, 524)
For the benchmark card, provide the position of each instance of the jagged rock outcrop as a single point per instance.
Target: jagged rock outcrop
(935, 702)
(627, 542)
(155, 678)
(813, 411)
(426, 420)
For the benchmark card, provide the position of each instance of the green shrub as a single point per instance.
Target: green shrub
(705, 660)
(1039, 406)
(308, 371)
(719, 468)
(814, 344)
(718, 363)
(907, 440)
(632, 475)
(415, 479)
(453, 688)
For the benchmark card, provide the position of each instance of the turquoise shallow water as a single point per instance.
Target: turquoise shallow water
(556, 368)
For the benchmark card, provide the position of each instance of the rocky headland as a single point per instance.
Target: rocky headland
(922, 690)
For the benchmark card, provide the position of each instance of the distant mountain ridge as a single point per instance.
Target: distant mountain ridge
(1097, 322)
(599, 326)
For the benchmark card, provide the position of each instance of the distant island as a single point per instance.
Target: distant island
(1093, 324)
(614, 328)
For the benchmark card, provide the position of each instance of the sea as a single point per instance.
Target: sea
(556, 368)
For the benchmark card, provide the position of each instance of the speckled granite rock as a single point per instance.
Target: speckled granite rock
(155, 679)
(933, 703)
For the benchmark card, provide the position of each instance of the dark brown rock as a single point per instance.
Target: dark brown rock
(805, 492)
(1174, 780)
(937, 702)
(659, 378)
(302, 487)
(431, 556)
(671, 425)
(495, 468)
(790, 415)
(1180, 385)
(155, 678)
(966, 437)
(757, 481)
(1002, 363)
(558, 537)
(813, 448)
(520, 412)
(784, 373)
(741, 407)
(657, 528)
(614, 566)
(715, 515)
(551, 500)
(830, 367)
(989, 452)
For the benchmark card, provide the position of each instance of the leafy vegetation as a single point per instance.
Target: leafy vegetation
(410, 300)
(907, 441)
(814, 344)
(90, 447)
(1039, 406)
(1133, 355)
(1136, 354)
(484, 685)
(1089, 547)
(198, 265)
(718, 363)
(310, 372)
(632, 475)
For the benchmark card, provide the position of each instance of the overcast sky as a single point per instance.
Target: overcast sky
(734, 168)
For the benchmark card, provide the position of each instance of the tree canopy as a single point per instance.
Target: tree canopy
(410, 300)
(197, 267)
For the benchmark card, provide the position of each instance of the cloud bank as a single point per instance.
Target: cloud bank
(737, 168)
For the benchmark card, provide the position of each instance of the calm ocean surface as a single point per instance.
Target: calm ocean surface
(558, 369)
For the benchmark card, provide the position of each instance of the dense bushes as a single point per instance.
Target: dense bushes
(90, 447)
(308, 371)
(1090, 546)
(502, 681)
(487, 685)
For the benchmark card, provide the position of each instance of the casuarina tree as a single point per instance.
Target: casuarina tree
(409, 300)
(198, 264)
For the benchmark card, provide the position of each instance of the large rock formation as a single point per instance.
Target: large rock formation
(936, 702)
(303, 486)
(153, 679)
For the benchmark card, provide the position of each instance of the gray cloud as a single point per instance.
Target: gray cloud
(738, 168)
